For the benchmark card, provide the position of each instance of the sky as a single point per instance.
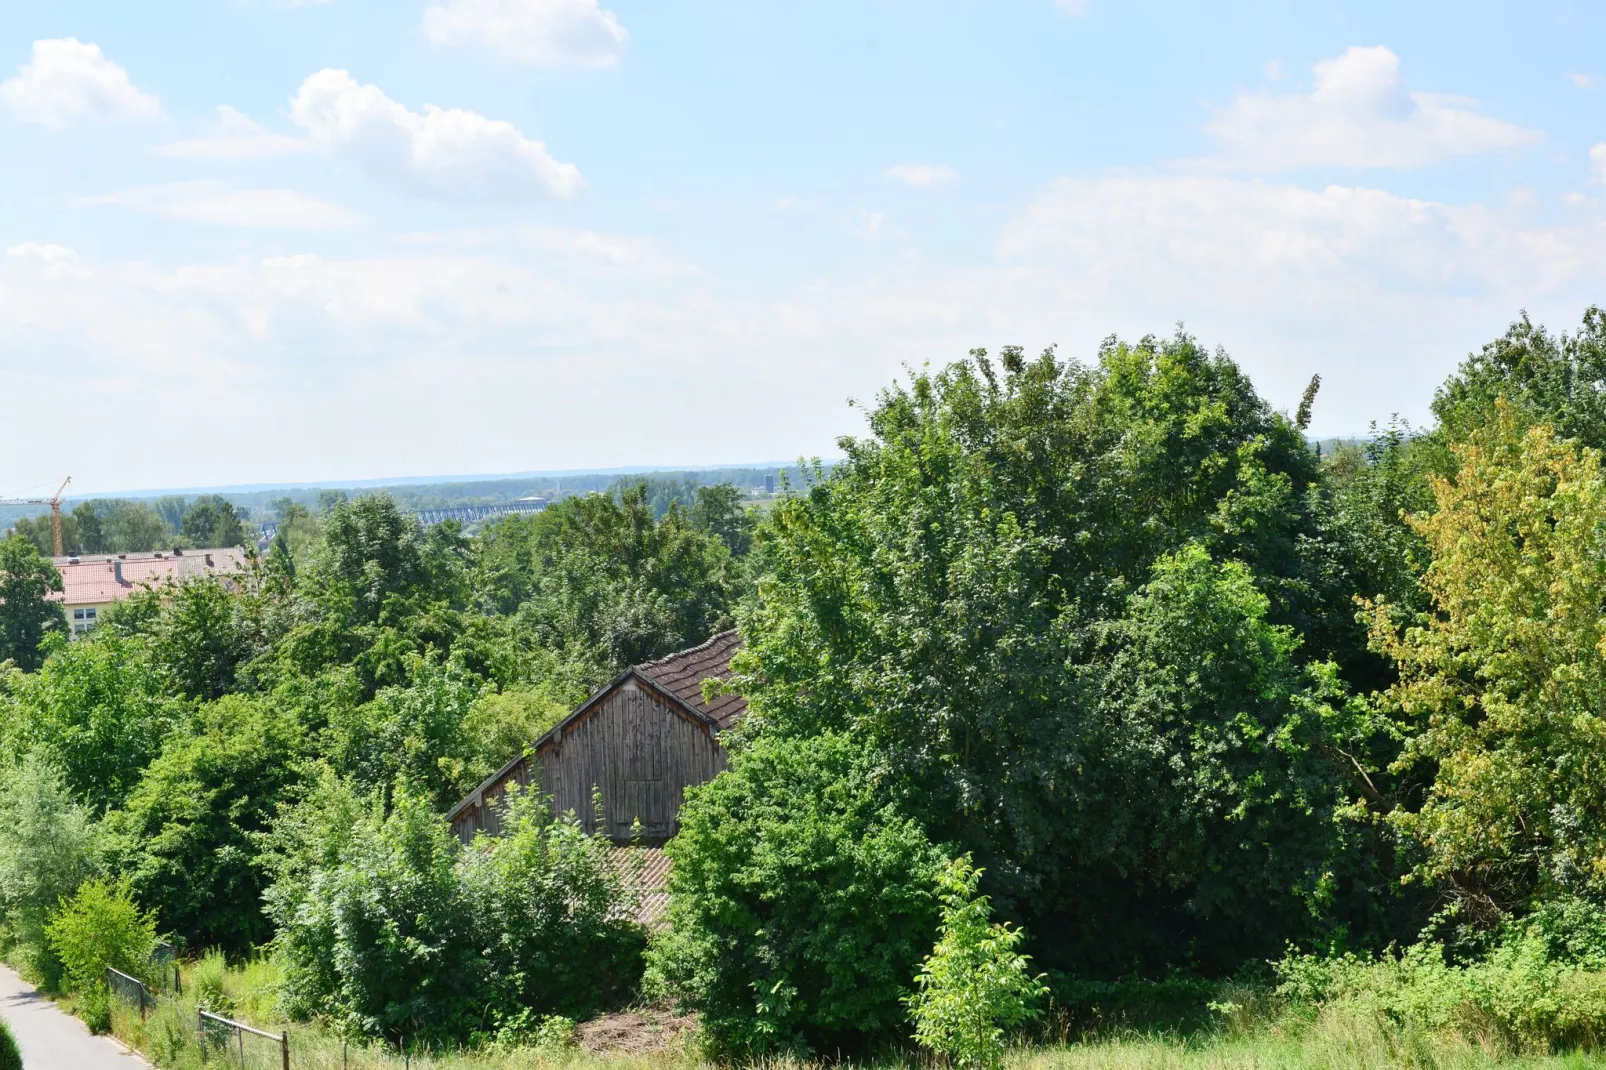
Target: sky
(247, 241)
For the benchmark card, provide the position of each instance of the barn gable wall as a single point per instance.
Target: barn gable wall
(640, 753)
(632, 744)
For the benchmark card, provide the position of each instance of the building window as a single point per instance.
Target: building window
(77, 614)
(89, 614)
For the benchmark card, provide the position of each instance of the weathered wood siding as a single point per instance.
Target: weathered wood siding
(635, 749)
(641, 754)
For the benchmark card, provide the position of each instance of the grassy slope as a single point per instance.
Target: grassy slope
(1335, 1040)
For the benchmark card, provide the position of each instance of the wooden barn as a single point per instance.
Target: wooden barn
(641, 741)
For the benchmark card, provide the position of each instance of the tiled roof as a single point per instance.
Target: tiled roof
(682, 675)
(95, 579)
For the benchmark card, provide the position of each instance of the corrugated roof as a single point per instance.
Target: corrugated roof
(682, 674)
(94, 579)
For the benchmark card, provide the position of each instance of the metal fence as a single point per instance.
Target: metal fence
(132, 989)
(235, 1043)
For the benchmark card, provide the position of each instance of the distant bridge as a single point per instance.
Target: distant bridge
(466, 513)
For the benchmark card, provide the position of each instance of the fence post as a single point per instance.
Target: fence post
(200, 1031)
(284, 1048)
(178, 981)
(240, 1035)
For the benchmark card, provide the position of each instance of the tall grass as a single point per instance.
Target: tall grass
(1253, 1029)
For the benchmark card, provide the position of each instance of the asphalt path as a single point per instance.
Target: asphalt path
(50, 1038)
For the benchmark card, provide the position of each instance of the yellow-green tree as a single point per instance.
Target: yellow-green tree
(1505, 675)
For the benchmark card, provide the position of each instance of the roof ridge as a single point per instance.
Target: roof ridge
(706, 644)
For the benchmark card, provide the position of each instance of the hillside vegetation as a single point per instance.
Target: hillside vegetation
(1097, 717)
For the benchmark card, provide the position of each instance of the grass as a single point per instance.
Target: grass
(1253, 1034)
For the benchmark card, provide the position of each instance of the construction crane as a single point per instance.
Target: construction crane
(55, 511)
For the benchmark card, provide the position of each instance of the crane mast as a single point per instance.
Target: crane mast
(54, 502)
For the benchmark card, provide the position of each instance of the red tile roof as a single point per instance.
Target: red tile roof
(94, 580)
(683, 672)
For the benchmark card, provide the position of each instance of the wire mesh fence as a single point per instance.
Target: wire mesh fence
(130, 989)
(234, 1043)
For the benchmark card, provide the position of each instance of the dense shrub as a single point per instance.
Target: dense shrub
(10, 1054)
(393, 928)
(1540, 987)
(556, 927)
(801, 902)
(100, 926)
(188, 832)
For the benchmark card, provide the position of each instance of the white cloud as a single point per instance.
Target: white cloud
(474, 352)
(444, 153)
(49, 260)
(1582, 81)
(1360, 114)
(579, 247)
(547, 32)
(1597, 161)
(1074, 7)
(68, 78)
(214, 202)
(924, 175)
(237, 136)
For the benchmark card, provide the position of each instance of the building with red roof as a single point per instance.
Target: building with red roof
(93, 583)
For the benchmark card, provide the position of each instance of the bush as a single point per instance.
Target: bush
(1539, 988)
(189, 830)
(555, 924)
(100, 926)
(801, 902)
(48, 845)
(973, 987)
(10, 1054)
(382, 941)
(401, 930)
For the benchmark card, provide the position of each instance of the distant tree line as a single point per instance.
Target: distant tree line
(115, 526)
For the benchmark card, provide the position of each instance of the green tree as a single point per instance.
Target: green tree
(49, 845)
(718, 510)
(198, 640)
(371, 552)
(212, 520)
(801, 901)
(1503, 680)
(27, 615)
(135, 527)
(974, 987)
(1542, 377)
(413, 734)
(188, 832)
(604, 580)
(992, 594)
(96, 710)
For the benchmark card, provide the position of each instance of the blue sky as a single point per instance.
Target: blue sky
(254, 240)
